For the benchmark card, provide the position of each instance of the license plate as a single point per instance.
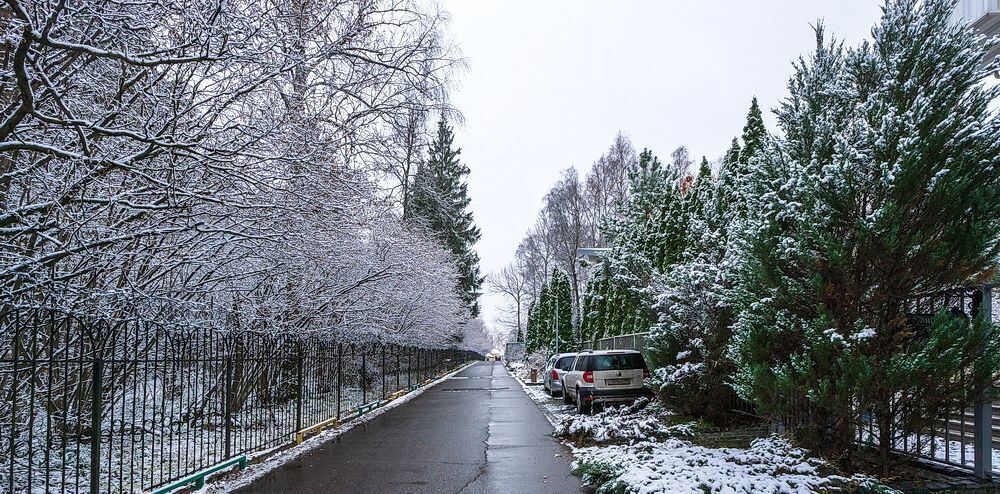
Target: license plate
(617, 382)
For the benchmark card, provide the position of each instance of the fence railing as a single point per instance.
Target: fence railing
(635, 341)
(126, 406)
(970, 437)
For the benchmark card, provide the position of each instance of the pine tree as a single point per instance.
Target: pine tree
(440, 203)
(889, 189)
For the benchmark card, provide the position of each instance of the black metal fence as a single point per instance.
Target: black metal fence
(125, 406)
(967, 437)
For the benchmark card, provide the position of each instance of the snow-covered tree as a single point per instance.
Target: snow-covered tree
(511, 283)
(440, 204)
(211, 156)
(884, 186)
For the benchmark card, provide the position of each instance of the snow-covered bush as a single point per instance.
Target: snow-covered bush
(688, 346)
(640, 420)
(769, 466)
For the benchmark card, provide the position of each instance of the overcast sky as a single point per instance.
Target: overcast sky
(549, 84)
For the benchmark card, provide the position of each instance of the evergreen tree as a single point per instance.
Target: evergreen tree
(697, 198)
(688, 347)
(593, 323)
(889, 188)
(754, 133)
(689, 344)
(531, 330)
(740, 163)
(561, 315)
(732, 155)
(543, 321)
(440, 203)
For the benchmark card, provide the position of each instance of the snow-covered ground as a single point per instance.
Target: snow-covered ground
(643, 448)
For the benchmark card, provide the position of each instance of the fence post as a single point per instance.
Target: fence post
(96, 399)
(298, 387)
(228, 407)
(383, 372)
(409, 367)
(340, 353)
(983, 409)
(364, 379)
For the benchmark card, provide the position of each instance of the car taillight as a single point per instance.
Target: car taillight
(588, 376)
(645, 373)
(555, 375)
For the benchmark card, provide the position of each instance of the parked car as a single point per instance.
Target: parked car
(604, 376)
(555, 368)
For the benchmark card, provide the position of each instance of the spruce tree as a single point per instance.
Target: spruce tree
(440, 203)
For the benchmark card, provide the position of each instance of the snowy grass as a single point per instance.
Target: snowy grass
(643, 448)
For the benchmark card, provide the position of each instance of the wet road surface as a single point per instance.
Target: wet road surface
(476, 432)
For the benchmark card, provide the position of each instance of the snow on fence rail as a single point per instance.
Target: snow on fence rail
(126, 406)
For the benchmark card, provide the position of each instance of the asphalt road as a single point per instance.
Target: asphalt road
(476, 432)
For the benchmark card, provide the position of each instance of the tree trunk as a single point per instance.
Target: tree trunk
(884, 436)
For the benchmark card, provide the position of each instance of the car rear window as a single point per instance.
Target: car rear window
(565, 363)
(620, 361)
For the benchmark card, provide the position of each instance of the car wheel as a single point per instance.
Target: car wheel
(582, 406)
(566, 397)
